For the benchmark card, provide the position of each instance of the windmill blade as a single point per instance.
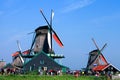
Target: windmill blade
(19, 47)
(103, 59)
(21, 59)
(30, 33)
(45, 18)
(33, 41)
(20, 55)
(95, 43)
(49, 25)
(50, 36)
(51, 18)
(103, 47)
(55, 36)
(57, 39)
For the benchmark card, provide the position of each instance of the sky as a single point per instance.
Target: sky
(75, 21)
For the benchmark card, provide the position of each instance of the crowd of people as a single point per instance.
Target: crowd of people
(52, 72)
(7, 71)
(49, 72)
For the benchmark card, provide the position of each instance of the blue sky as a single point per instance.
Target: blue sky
(75, 21)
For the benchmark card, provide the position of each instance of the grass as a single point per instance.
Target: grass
(37, 77)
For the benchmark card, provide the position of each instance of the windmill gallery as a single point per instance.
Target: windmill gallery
(41, 55)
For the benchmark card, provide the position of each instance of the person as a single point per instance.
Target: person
(83, 73)
(97, 74)
(109, 76)
(2, 71)
(59, 72)
(76, 74)
(40, 72)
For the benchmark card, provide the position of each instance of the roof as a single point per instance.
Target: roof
(42, 52)
(15, 54)
(26, 52)
(101, 67)
(115, 67)
(42, 27)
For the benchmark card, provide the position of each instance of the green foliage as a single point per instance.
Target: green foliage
(38, 77)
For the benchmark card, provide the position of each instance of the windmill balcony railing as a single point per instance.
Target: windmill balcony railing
(56, 55)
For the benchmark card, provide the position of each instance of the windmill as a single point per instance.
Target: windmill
(43, 38)
(41, 53)
(17, 57)
(96, 57)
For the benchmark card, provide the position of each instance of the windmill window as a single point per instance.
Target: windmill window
(41, 61)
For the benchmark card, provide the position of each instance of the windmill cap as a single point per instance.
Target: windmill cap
(41, 27)
(94, 51)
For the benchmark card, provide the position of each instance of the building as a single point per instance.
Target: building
(2, 64)
(105, 69)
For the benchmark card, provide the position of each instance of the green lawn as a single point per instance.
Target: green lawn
(37, 77)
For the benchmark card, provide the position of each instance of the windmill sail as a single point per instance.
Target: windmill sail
(51, 30)
(49, 39)
(56, 38)
(19, 47)
(103, 60)
(52, 15)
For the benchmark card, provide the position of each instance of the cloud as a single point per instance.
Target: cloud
(77, 5)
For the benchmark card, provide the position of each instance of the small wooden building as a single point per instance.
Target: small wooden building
(104, 69)
(2, 64)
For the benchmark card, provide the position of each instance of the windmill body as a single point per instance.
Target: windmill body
(41, 39)
(95, 59)
(42, 42)
(17, 62)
